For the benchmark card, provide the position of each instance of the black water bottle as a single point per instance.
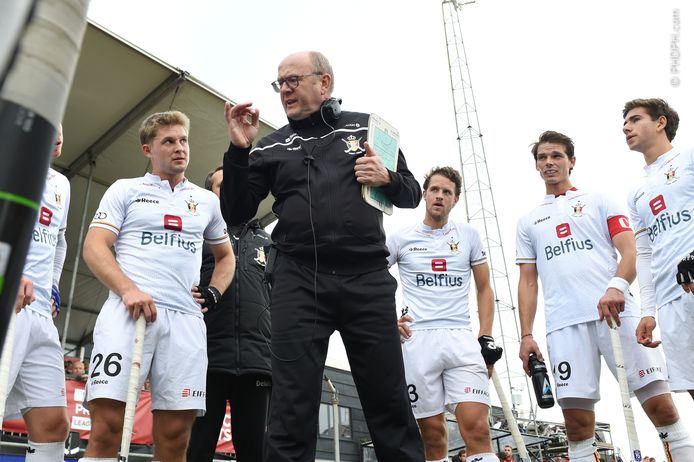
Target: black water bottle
(543, 389)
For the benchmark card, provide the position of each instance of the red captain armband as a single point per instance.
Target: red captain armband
(617, 224)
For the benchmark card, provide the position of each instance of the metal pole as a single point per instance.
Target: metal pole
(336, 417)
(78, 254)
(479, 198)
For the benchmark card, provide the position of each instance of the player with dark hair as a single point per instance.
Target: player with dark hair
(661, 210)
(571, 242)
(446, 364)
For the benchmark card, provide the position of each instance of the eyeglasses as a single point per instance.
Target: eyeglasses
(292, 81)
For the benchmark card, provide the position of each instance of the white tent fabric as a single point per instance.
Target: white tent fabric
(116, 85)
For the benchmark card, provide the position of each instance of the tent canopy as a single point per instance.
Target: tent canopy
(116, 86)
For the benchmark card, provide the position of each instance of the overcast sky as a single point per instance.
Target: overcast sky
(535, 66)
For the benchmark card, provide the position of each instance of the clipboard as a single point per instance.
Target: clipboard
(384, 139)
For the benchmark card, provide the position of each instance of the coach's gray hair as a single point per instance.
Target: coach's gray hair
(321, 65)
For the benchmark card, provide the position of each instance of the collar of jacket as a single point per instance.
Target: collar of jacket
(314, 120)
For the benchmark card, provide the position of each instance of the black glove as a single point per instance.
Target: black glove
(685, 269)
(490, 351)
(211, 295)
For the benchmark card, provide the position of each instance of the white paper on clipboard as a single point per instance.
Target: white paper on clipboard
(384, 139)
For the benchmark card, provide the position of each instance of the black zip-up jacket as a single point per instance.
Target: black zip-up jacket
(310, 155)
(238, 328)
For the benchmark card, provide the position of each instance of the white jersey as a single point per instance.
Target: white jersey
(51, 220)
(435, 267)
(160, 235)
(663, 207)
(569, 238)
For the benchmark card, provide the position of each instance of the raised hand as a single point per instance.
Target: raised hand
(243, 122)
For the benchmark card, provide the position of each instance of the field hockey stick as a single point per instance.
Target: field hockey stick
(133, 382)
(624, 392)
(510, 419)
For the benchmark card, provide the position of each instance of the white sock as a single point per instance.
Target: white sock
(484, 457)
(583, 451)
(45, 452)
(677, 442)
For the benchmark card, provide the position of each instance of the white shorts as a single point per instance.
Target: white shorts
(174, 356)
(444, 367)
(37, 372)
(676, 320)
(574, 354)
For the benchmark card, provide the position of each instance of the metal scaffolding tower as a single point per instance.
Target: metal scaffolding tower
(479, 202)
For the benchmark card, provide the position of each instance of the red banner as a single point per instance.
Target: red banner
(142, 428)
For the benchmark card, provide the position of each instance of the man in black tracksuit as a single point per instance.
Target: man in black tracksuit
(238, 334)
(331, 270)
